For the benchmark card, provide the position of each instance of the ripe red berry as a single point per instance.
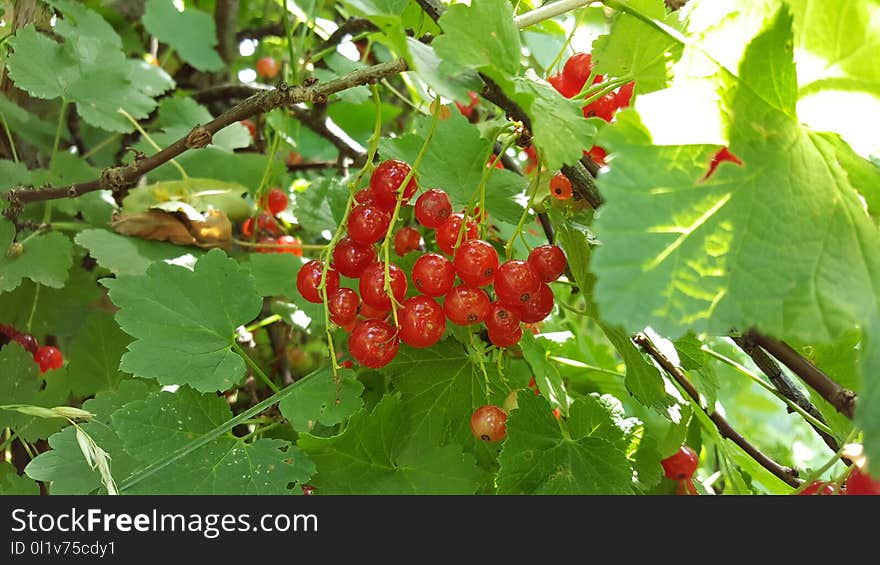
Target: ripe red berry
(367, 224)
(465, 305)
(516, 282)
(363, 196)
(681, 465)
(603, 108)
(27, 341)
(373, 343)
(433, 208)
(289, 244)
(406, 239)
(351, 257)
(534, 386)
(538, 307)
(372, 285)
(48, 357)
(548, 262)
(309, 277)
(346, 364)
(577, 70)
(385, 182)
(370, 313)
(818, 488)
(247, 228)
(624, 94)
(447, 234)
(476, 262)
(268, 224)
(562, 85)
(267, 248)
(598, 155)
(433, 274)
(505, 339)
(560, 187)
(860, 482)
(488, 423)
(421, 321)
(502, 319)
(267, 67)
(343, 306)
(293, 158)
(468, 110)
(720, 156)
(276, 201)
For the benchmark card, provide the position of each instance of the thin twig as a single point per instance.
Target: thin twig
(843, 399)
(787, 474)
(352, 26)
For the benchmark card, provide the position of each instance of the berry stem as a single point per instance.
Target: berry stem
(268, 320)
(268, 245)
(253, 365)
(548, 11)
(533, 193)
(590, 95)
(264, 181)
(30, 319)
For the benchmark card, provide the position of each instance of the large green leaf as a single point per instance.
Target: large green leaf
(124, 255)
(184, 321)
(43, 258)
(12, 483)
(371, 457)
(165, 422)
(323, 400)
(190, 32)
(480, 36)
(94, 355)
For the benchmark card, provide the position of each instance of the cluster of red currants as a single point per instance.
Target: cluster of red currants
(272, 238)
(47, 357)
(521, 289)
(680, 467)
(858, 483)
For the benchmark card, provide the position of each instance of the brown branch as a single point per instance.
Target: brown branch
(312, 165)
(843, 399)
(787, 474)
(118, 178)
(352, 26)
(276, 29)
(226, 22)
(784, 385)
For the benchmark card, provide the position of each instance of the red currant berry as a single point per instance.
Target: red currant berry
(267, 67)
(251, 127)
(447, 234)
(465, 305)
(722, 155)
(289, 244)
(860, 482)
(562, 85)
(370, 313)
(367, 224)
(293, 158)
(548, 262)
(488, 423)
(534, 386)
(433, 274)
(385, 184)
(351, 257)
(343, 306)
(346, 364)
(372, 285)
(502, 319)
(539, 307)
(267, 224)
(309, 277)
(28, 342)
(276, 201)
(247, 228)
(505, 339)
(476, 262)
(681, 465)
(625, 94)
(48, 357)
(267, 248)
(818, 487)
(373, 343)
(577, 70)
(598, 155)
(363, 196)
(468, 110)
(406, 239)
(421, 321)
(602, 108)
(433, 208)
(560, 187)
(516, 282)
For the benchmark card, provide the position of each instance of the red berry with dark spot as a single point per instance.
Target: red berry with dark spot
(433, 208)
(309, 278)
(373, 343)
(560, 187)
(476, 262)
(548, 262)
(681, 465)
(367, 223)
(502, 319)
(488, 423)
(421, 321)
(406, 239)
(48, 358)
(538, 307)
(465, 305)
(433, 274)
(447, 234)
(351, 257)
(516, 282)
(385, 183)
(372, 285)
(268, 224)
(343, 306)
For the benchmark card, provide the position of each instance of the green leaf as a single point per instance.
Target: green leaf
(80, 20)
(190, 32)
(12, 483)
(184, 321)
(165, 422)
(322, 400)
(635, 50)
(20, 383)
(546, 375)
(558, 124)
(643, 380)
(30, 127)
(443, 77)
(321, 206)
(371, 457)
(44, 259)
(64, 467)
(274, 273)
(690, 352)
(124, 255)
(94, 355)
(200, 193)
(538, 459)
(480, 36)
